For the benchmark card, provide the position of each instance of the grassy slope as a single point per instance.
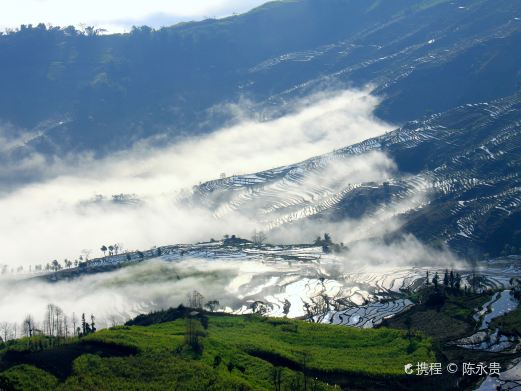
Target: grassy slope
(28, 377)
(163, 362)
(450, 321)
(509, 324)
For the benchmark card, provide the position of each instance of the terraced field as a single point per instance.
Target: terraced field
(366, 316)
(456, 180)
(293, 281)
(406, 69)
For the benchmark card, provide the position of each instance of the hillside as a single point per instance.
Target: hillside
(456, 181)
(231, 353)
(311, 196)
(186, 349)
(83, 91)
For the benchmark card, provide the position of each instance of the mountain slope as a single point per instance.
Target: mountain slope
(229, 353)
(85, 91)
(456, 181)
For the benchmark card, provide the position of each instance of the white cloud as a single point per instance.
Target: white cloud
(46, 221)
(52, 220)
(124, 293)
(117, 15)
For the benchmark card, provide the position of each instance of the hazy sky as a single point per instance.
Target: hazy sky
(117, 15)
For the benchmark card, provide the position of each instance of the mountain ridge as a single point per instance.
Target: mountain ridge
(100, 93)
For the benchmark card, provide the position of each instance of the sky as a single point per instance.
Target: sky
(117, 15)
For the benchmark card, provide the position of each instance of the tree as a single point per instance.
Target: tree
(515, 283)
(111, 250)
(90, 31)
(427, 282)
(435, 280)
(305, 358)
(230, 366)
(327, 243)
(86, 254)
(286, 307)
(55, 265)
(258, 237)
(212, 305)
(451, 279)
(446, 279)
(103, 249)
(195, 300)
(74, 324)
(92, 324)
(83, 324)
(6, 331)
(457, 281)
(113, 321)
(328, 239)
(65, 326)
(53, 324)
(192, 330)
(28, 326)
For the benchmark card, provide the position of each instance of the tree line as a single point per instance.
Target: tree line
(56, 325)
(56, 265)
(453, 281)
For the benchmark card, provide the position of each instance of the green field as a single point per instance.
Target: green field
(235, 353)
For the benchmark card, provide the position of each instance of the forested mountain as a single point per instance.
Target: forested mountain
(83, 90)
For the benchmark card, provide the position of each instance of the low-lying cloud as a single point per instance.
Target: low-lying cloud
(138, 198)
(58, 217)
(120, 295)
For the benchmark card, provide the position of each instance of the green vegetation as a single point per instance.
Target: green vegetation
(445, 314)
(445, 311)
(27, 377)
(232, 352)
(185, 349)
(509, 324)
(442, 316)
